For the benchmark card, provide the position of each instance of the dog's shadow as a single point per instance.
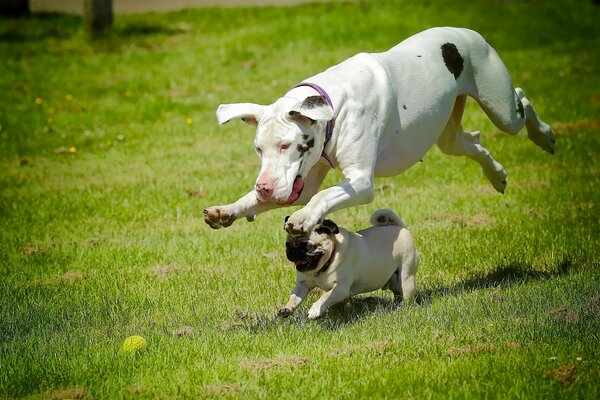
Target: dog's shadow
(503, 276)
(355, 309)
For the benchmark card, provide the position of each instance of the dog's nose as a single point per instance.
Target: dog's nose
(264, 190)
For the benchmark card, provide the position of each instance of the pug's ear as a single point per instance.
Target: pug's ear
(328, 227)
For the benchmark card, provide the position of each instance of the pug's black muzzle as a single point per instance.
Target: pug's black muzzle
(303, 255)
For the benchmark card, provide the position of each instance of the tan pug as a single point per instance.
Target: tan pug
(343, 263)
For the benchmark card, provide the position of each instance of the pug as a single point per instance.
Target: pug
(343, 263)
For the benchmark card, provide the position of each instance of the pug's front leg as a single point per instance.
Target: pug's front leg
(337, 293)
(296, 298)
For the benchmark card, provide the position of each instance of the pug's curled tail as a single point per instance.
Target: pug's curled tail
(385, 216)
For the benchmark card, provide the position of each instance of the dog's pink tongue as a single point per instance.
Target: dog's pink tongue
(296, 189)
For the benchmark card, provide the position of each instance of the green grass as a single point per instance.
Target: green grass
(107, 242)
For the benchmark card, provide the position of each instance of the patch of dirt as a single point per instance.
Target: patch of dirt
(221, 389)
(564, 374)
(582, 125)
(470, 349)
(278, 362)
(535, 184)
(71, 276)
(384, 186)
(138, 388)
(563, 314)
(33, 251)
(485, 189)
(184, 331)
(162, 271)
(66, 394)
(593, 304)
(67, 277)
(438, 335)
(513, 346)
(195, 193)
(92, 242)
(476, 221)
(245, 320)
(378, 347)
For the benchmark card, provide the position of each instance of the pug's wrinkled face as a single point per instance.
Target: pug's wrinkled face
(311, 251)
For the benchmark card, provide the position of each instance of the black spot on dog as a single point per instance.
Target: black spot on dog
(404, 106)
(419, 55)
(314, 101)
(302, 148)
(452, 58)
(520, 109)
(306, 146)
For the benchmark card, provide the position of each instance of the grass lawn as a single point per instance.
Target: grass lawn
(109, 150)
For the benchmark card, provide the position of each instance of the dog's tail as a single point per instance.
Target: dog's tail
(385, 216)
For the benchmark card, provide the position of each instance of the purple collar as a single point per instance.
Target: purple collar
(330, 124)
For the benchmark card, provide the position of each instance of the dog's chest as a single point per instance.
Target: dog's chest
(324, 280)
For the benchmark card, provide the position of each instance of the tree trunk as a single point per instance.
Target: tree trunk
(14, 8)
(97, 16)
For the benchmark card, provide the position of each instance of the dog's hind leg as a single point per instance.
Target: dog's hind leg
(403, 282)
(538, 131)
(455, 141)
(508, 108)
(395, 285)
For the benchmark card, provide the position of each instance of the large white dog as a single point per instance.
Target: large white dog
(376, 115)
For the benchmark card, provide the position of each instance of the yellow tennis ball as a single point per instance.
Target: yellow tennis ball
(133, 344)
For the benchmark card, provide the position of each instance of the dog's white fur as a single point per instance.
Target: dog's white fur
(390, 108)
(383, 256)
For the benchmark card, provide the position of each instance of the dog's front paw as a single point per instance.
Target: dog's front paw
(300, 223)
(284, 312)
(314, 312)
(219, 216)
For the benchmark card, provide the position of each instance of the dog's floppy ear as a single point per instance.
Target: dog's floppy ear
(328, 226)
(247, 112)
(315, 108)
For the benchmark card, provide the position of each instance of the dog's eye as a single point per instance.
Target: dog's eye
(259, 151)
(284, 146)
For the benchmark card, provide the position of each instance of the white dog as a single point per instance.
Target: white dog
(376, 115)
(344, 263)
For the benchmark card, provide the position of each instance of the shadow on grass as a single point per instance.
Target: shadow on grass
(503, 276)
(356, 309)
(39, 26)
(137, 29)
(54, 25)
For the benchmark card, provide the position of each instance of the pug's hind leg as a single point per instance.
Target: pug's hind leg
(395, 286)
(296, 298)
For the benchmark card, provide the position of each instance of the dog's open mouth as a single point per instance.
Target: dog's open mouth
(305, 265)
(300, 263)
(296, 189)
(304, 261)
